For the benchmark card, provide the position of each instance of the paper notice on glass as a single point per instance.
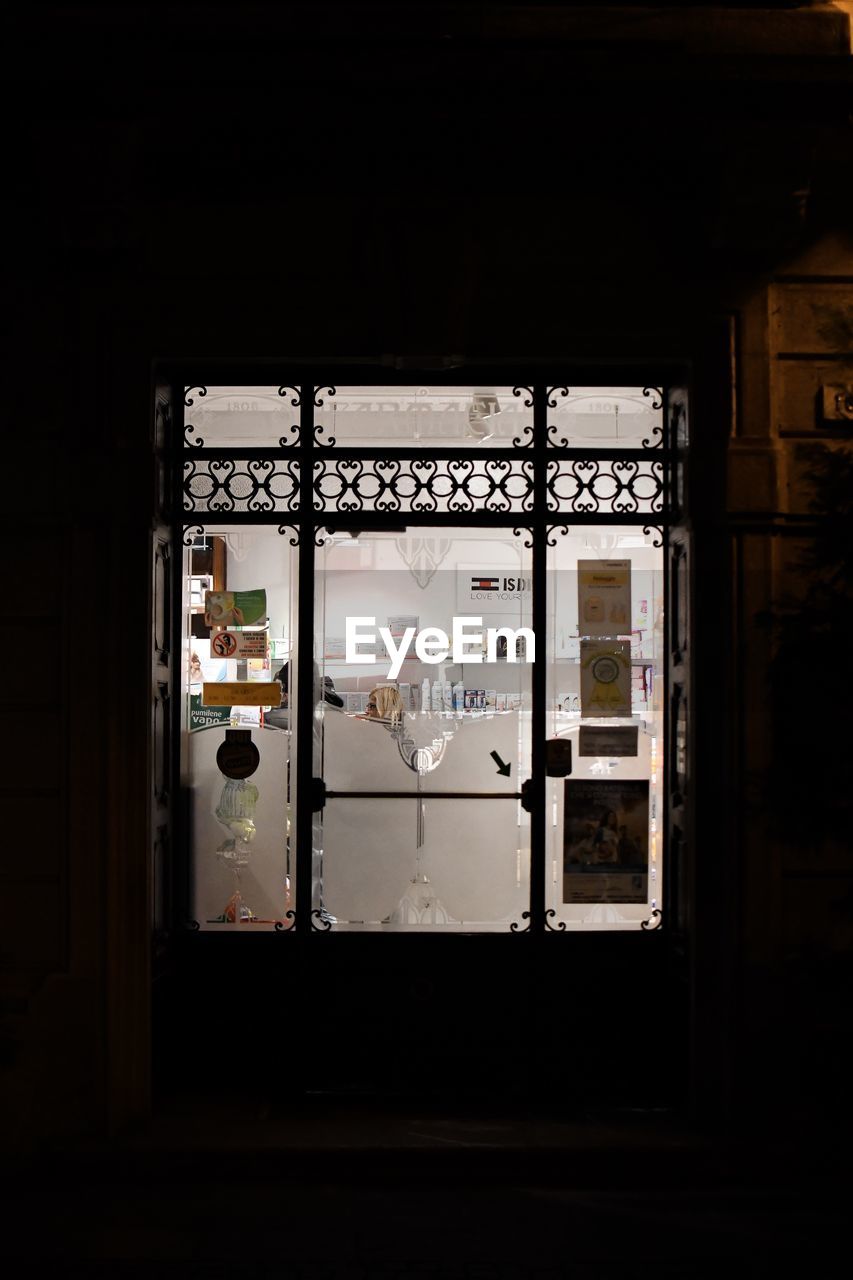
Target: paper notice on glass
(241, 693)
(604, 597)
(239, 644)
(607, 740)
(606, 840)
(235, 608)
(605, 678)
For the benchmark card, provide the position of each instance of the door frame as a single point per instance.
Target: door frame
(543, 380)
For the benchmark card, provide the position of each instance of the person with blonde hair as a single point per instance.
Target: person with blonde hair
(384, 703)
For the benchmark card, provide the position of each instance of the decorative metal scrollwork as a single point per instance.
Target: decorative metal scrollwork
(428, 485)
(515, 927)
(325, 924)
(654, 528)
(656, 441)
(561, 924)
(553, 528)
(551, 402)
(191, 533)
(318, 428)
(528, 542)
(518, 441)
(241, 484)
(189, 430)
(654, 920)
(606, 485)
(294, 533)
(281, 927)
(294, 430)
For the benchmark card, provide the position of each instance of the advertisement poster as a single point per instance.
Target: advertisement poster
(605, 678)
(239, 644)
(604, 597)
(235, 608)
(606, 840)
(207, 717)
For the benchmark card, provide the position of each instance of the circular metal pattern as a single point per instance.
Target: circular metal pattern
(515, 927)
(654, 920)
(240, 484)
(429, 485)
(324, 925)
(281, 927)
(561, 924)
(612, 485)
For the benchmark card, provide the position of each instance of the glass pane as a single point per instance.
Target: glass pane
(605, 696)
(605, 417)
(241, 417)
(430, 417)
(423, 760)
(238, 750)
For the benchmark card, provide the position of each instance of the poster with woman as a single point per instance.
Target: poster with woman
(606, 840)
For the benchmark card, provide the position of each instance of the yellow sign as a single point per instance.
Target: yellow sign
(241, 693)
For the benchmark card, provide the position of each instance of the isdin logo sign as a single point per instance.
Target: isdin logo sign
(433, 645)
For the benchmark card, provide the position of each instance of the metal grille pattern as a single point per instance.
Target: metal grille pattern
(423, 485)
(611, 486)
(240, 485)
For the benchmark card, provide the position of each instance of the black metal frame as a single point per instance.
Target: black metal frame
(541, 512)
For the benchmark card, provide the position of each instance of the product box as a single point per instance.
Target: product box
(500, 702)
(491, 699)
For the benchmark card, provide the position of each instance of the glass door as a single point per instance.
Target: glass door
(423, 650)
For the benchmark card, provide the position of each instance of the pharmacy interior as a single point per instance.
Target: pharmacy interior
(429, 677)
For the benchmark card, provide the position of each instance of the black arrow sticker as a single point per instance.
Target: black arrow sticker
(502, 768)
